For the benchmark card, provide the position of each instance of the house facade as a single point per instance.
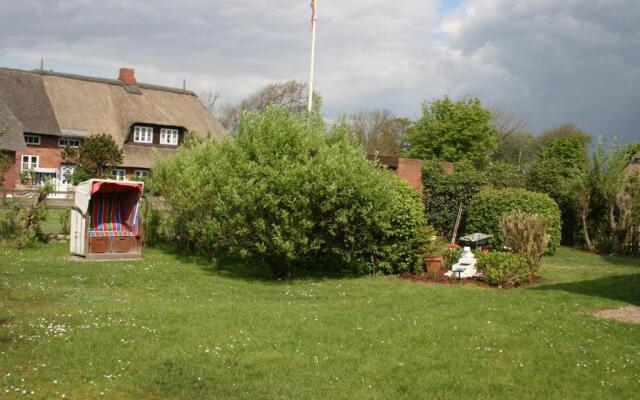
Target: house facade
(42, 112)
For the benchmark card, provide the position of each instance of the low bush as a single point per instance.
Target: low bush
(23, 225)
(151, 222)
(505, 269)
(10, 221)
(489, 206)
(526, 234)
(451, 256)
(288, 192)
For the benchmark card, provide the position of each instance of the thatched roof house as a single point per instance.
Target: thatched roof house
(65, 105)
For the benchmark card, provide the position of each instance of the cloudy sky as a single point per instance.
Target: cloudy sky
(550, 61)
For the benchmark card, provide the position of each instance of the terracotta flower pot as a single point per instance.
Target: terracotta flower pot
(433, 264)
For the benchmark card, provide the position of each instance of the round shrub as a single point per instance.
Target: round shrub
(505, 269)
(489, 206)
(288, 192)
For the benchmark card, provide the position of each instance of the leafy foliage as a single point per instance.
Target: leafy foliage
(616, 182)
(451, 256)
(562, 161)
(289, 193)
(503, 175)
(504, 269)
(431, 244)
(22, 225)
(291, 95)
(5, 164)
(96, 157)
(379, 131)
(489, 206)
(526, 234)
(443, 193)
(452, 131)
(562, 132)
(569, 151)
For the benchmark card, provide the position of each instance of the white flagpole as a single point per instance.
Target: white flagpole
(313, 56)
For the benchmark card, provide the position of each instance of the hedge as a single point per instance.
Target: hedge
(505, 269)
(444, 192)
(488, 206)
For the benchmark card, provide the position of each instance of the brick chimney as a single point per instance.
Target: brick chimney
(128, 76)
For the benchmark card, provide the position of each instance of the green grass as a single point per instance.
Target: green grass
(174, 327)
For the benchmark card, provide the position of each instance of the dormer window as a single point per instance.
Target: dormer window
(169, 136)
(33, 140)
(143, 134)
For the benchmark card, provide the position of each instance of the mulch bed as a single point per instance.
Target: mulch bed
(440, 279)
(629, 314)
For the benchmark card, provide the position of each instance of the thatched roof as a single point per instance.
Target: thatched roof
(10, 130)
(71, 105)
(143, 156)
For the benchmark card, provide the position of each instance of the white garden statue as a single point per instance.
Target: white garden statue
(466, 266)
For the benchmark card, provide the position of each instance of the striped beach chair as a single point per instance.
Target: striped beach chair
(114, 214)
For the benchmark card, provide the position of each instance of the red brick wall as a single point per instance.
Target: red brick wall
(411, 171)
(48, 152)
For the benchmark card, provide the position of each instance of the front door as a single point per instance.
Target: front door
(65, 179)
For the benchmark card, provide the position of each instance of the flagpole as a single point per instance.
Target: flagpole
(313, 56)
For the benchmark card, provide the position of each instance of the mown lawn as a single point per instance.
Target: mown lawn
(173, 327)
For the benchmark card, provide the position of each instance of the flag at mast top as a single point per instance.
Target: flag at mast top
(313, 11)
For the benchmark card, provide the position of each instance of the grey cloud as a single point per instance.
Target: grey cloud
(568, 60)
(554, 61)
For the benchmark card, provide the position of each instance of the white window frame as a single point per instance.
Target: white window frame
(169, 136)
(119, 174)
(141, 173)
(36, 139)
(29, 162)
(63, 142)
(143, 134)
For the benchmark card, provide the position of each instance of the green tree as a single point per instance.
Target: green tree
(379, 131)
(503, 175)
(292, 95)
(564, 131)
(96, 157)
(453, 131)
(570, 151)
(618, 183)
(559, 172)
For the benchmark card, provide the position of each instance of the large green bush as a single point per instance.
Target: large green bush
(505, 269)
(489, 206)
(288, 192)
